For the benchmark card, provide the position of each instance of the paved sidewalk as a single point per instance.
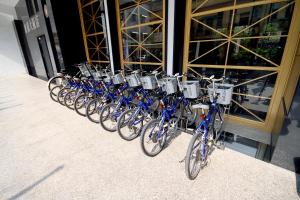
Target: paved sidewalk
(49, 152)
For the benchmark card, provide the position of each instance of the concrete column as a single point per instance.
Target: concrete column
(170, 44)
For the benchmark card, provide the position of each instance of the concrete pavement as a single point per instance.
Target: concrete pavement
(50, 152)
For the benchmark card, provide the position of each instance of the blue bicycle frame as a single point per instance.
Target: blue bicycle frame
(204, 126)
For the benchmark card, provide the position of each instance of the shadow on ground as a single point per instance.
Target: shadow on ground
(27, 189)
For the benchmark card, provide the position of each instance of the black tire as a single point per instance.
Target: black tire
(69, 99)
(54, 92)
(54, 81)
(158, 143)
(61, 95)
(93, 110)
(123, 128)
(80, 107)
(190, 114)
(217, 122)
(106, 120)
(193, 152)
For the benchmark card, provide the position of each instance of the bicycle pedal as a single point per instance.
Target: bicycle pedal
(220, 145)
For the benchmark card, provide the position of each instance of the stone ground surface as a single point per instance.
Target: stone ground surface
(49, 152)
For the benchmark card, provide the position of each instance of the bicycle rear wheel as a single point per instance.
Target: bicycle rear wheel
(55, 81)
(217, 121)
(150, 143)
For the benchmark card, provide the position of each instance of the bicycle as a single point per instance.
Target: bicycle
(111, 112)
(157, 130)
(208, 131)
(130, 122)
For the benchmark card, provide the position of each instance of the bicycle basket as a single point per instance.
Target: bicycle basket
(169, 85)
(118, 79)
(96, 75)
(107, 79)
(224, 92)
(149, 82)
(191, 89)
(133, 80)
(84, 70)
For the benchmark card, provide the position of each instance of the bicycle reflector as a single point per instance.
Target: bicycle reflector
(161, 105)
(202, 117)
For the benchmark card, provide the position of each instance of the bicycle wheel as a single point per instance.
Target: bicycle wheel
(217, 121)
(69, 99)
(80, 104)
(125, 129)
(150, 143)
(61, 95)
(107, 118)
(93, 109)
(193, 158)
(54, 92)
(190, 114)
(55, 81)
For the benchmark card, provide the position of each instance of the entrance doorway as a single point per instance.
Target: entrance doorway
(46, 56)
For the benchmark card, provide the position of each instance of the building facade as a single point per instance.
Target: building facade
(253, 43)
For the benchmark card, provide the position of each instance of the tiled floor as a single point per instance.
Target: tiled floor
(49, 152)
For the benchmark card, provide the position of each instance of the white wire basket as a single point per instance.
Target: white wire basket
(118, 79)
(191, 89)
(223, 91)
(149, 82)
(169, 85)
(133, 80)
(96, 75)
(83, 69)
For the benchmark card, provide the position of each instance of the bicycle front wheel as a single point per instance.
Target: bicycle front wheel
(55, 81)
(126, 130)
(69, 99)
(107, 120)
(193, 158)
(93, 110)
(152, 138)
(54, 92)
(80, 104)
(61, 95)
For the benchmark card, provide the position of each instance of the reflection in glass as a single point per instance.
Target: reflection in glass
(270, 51)
(276, 24)
(213, 53)
(129, 17)
(257, 106)
(218, 21)
(131, 53)
(94, 18)
(210, 4)
(247, 85)
(151, 34)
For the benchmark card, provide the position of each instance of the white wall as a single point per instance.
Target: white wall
(11, 60)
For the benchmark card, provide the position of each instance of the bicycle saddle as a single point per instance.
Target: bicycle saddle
(76, 79)
(68, 76)
(200, 105)
(60, 74)
(84, 78)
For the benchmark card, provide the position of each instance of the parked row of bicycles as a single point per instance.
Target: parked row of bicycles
(150, 105)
